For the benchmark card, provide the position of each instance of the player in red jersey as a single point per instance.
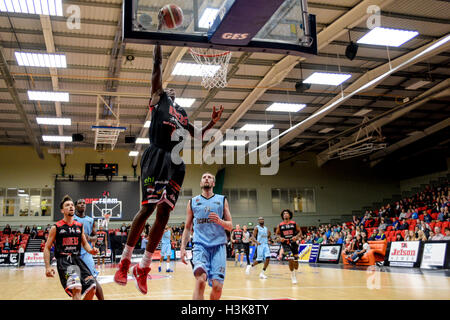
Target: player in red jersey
(288, 233)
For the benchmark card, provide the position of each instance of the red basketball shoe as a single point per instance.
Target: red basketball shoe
(122, 273)
(140, 275)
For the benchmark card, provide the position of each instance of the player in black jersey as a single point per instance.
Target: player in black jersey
(288, 233)
(101, 244)
(236, 239)
(161, 178)
(68, 236)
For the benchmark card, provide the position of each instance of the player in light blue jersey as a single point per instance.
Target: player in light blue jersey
(91, 237)
(166, 248)
(260, 236)
(209, 216)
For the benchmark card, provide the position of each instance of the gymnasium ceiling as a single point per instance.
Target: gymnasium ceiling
(93, 50)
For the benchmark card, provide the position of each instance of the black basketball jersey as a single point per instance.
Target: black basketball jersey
(101, 237)
(288, 230)
(167, 118)
(238, 236)
(68, 238)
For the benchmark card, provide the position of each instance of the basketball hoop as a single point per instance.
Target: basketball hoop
(214, 66)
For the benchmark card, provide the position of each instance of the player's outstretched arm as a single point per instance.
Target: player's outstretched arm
(157, 87)
(87, 246)
(186, 232)
(215, 117)
(49, 271)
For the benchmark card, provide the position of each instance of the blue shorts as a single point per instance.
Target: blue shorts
(166, 250)
(212, 260)
(89, 261)
(263, 252)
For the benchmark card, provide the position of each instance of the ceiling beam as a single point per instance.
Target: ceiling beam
(10, 83)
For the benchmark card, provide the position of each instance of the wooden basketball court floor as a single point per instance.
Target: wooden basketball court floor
(315, 282)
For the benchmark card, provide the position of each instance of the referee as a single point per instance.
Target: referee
(246, 243)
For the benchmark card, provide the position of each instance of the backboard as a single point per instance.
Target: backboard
(272, 26)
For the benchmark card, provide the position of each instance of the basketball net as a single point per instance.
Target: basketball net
(214, 66)
(105, 221)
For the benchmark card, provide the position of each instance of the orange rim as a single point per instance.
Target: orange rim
(209, 55)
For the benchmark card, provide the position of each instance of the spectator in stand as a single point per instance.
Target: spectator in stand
(427, 218)
(415, 214)
(399, 237)
(348, 249)
(383, 225)
(402, 214)
(21, 229)
(374, 235)
(6, 245)
(16, 241)
(396, 225)
(123, 227)
(27, 230)
(34, 232)
(404, 225)
(409, 214)
(421, 236)
(380, 236)
(416, 231)
(382, 212)
(447, 233)
(7, 229)
(410, 236)
(438, 235)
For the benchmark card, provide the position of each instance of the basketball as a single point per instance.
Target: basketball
(172, 15)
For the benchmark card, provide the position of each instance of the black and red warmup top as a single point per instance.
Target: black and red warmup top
(288, 229)
(101, 237)
(68, 238)
(238, 236)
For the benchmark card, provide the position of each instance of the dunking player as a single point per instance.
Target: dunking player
(69, 237)
(288, 233)
(161, 178)
(209, 215)
(260, 236)
(101, 244)
(166, 249)
(90, 234)
(236, 239)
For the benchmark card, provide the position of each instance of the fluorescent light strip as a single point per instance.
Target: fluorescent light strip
(48, 96)
(57, 138)
(325, 78)
(133, 153)
(285, 107)
(193, 69)
(380, 36)
(362, 112)
(185, 102)
(326, 130)
(30, 59)
(234, 143)
(208, 17)
(147, 124)
(143, 141)
(256, 127)
(369, 84)
(54, 121)
(48, 7)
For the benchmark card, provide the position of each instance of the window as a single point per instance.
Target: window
(297, 200)
(25, 202)
(242, 201)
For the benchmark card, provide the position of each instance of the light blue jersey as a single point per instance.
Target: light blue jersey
(88, 225)
(262, 235)
(206, 233)
(166, 237)
(166, 247)
(262, 250)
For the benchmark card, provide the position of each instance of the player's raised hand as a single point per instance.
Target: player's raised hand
(49, 272)
(216, 114)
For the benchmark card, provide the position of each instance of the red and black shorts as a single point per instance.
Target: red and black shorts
(73, 273)
(161, 179)
(290, 248)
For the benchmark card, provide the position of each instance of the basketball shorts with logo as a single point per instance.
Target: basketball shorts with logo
(290, 248)
(102, 249)
(166, 249)
(239, 248)
(73, 273)
(212, 260)
(263, 252)
(161, 179)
